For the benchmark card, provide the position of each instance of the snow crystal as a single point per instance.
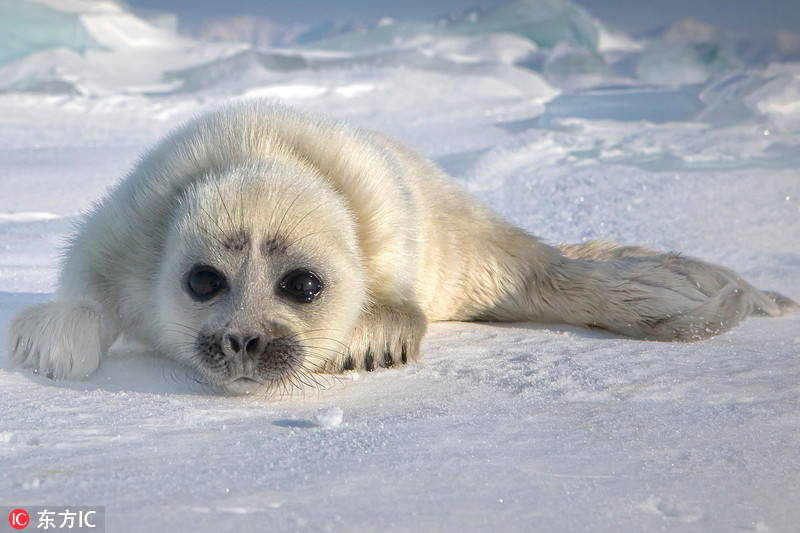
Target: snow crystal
(329, 417)
(9, 437)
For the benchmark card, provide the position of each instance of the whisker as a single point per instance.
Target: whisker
(289, 245)
(241, 201)
(216, 223)
(222, 201)
(280, 224)
(190, 328)
(303, 218)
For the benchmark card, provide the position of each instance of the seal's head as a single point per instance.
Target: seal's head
(261, 281)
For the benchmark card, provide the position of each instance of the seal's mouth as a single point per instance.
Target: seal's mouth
(226, 366)
(243, 385)
(244, 379)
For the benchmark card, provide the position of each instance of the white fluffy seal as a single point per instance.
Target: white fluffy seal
(259, 245)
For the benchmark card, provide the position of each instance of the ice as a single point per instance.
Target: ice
(778, 99)
(237, 66)
(256, 31)
(265, 73)
(684, 63)
(377, 38)
(624, 104)
(27, 27)
(113, 25)
(568, 66)
(689, 30)
(490, 48)
(750, 46)
(724, 99)
(129, 55)
(769, 96)
(500, 427)
(543, 22)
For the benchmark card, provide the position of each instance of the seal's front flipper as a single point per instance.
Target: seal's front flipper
(385, 336)
(59, 339)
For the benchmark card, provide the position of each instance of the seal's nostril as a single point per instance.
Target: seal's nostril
(252, 346)
(244, 344)
(234, 344)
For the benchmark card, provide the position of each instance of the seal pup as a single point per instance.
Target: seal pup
(259, 245)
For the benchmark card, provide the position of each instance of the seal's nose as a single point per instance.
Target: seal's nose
(240, 344)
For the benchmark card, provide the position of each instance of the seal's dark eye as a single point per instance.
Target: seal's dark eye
(301, 286)
(204, 282)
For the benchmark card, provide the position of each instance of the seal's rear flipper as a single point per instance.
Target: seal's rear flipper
(774, 304)
(642, 294)
(717, 315)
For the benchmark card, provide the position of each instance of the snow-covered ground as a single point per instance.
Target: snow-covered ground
(688, 140)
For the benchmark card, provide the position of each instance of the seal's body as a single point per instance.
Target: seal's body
(258, 245)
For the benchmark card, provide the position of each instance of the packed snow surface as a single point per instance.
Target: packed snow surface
(680, 141)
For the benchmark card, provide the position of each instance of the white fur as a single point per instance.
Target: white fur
(58, 339)
(257, 190)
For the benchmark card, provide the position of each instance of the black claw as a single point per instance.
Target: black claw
(369, 361)
(403, 354)
(387, 358)
(348, 363)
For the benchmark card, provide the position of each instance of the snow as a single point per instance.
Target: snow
(501, 427)
(329, 417)
(26, 216)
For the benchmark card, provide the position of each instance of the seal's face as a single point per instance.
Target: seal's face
(267, 283)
